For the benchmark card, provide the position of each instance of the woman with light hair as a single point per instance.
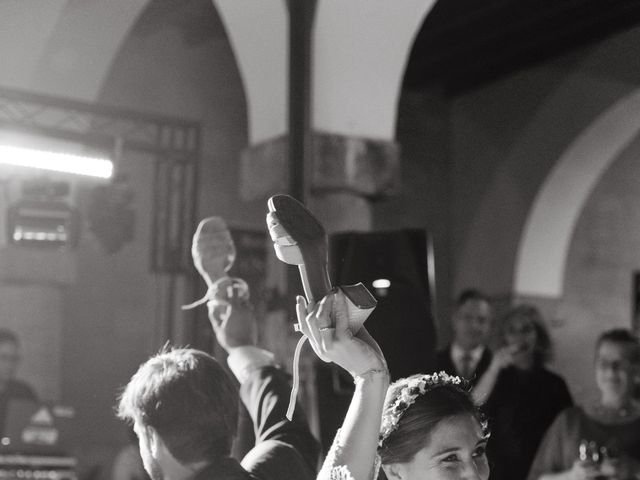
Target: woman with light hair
(519, 393)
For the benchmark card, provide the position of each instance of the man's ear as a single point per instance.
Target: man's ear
(394, 471)
(154, 441)
(157, 447)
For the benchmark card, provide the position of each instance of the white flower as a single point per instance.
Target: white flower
(407, 396)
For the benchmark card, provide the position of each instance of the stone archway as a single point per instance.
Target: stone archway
(40, 48)
(356, 73)
(544, 244)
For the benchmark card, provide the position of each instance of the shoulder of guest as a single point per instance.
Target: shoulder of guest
(570, 414)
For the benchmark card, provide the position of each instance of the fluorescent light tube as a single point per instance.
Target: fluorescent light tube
(56, 162)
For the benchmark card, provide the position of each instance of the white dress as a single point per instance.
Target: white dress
(331, 471)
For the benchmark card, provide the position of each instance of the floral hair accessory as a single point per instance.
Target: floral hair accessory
(407, 396)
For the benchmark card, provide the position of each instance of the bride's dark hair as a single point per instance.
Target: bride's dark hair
(420, 418)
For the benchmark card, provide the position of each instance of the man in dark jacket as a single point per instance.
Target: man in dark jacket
(468, 355)
(184, 406)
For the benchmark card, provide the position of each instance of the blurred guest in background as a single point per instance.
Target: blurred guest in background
(468, 355)
(601, 440)
(10, 387)
(521, 396)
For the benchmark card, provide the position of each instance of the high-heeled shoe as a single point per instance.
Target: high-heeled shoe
(300, 239)
(213, 253)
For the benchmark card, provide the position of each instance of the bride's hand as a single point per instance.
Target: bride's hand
(326, 325)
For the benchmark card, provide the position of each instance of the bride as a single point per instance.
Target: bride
(423, 426)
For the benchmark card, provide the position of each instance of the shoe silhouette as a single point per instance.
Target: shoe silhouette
(300, 239)
(213, 253)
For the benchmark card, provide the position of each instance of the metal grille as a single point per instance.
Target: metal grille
(174, 144)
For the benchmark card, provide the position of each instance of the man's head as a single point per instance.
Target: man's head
(471, 319)
(184, 409)
(9, 355)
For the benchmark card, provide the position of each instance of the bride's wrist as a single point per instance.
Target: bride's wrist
(380, 373)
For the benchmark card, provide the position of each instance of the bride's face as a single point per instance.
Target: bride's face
(456, 450)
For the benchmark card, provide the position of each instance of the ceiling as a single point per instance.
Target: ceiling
(465, 43)
(462, 43)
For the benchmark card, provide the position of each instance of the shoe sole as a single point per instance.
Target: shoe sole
(306, 234)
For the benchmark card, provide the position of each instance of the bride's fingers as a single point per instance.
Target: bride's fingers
(341, 315)
(303, 302)
(323, 313)
(324, 323)
(327, 335)
(320, 324)
(319, 318)
(304, 323)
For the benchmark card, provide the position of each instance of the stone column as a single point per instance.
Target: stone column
(346, 173)
(359, 50)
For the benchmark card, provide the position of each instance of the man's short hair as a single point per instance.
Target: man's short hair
(625, 338)
(471, 294)
(8, 336)
(187, 397)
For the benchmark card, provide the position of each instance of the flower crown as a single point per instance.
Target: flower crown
(407, 396)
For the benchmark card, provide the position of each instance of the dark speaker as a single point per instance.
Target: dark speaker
(394, 266)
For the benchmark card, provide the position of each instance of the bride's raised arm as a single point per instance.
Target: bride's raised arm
(353, 453)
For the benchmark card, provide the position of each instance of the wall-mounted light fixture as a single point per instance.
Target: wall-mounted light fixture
(56, 162)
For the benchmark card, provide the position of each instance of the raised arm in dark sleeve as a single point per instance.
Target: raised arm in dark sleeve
(284, 449)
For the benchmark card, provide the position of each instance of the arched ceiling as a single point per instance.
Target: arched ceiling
(357, 72)
(65, 47)
(62, 47)
(463, 44)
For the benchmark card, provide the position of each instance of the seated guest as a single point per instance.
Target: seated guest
(10, 387)
(601, 440)
(521, 396)
(184, 407)
(468, 355)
